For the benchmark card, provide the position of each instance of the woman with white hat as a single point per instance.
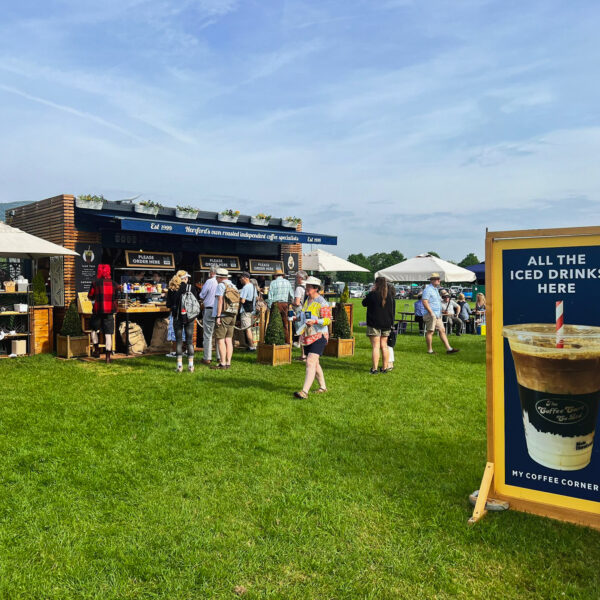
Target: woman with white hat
(312, 326)
(182, 299)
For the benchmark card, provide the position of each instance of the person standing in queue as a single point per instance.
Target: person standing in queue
(103, 292)
(225, 309)
(381, 311)
(280, 293)
(248, 297)
(207, 296)
(313, 323)
(183, 301)
(433, 319)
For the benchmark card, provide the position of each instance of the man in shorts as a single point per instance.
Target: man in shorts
(247, 306)
(433, 317)
(224, 322)
(103, 292)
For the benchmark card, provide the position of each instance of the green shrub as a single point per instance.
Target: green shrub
(40, 297)
(345, 297)
(275, 334)
(341, 327)
(72, 323)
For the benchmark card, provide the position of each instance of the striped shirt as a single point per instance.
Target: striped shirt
(280, 290)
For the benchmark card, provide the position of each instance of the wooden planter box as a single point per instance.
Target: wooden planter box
(268, 354)
(338, 347)
(42, 329)
(71, 347)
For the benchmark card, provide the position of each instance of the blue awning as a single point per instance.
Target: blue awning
(226, 232)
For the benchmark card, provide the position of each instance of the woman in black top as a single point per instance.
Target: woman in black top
(178, 286)
(381, 311)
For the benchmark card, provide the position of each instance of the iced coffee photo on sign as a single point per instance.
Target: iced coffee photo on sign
(558, 376)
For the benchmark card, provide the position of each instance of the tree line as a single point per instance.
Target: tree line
(381, 260)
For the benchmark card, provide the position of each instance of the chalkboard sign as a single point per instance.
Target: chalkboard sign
(86, 265)
(290, 263)
(265, 267)
(149, 260)
(232, 263)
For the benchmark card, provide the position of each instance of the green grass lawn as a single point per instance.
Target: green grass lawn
(133, 481)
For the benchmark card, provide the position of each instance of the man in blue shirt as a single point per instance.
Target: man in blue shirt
(433, 317)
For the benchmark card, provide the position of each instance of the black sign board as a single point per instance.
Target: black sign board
(290, 263)
(86, 265)
(149, 260)
(265, 267)
(232, 263)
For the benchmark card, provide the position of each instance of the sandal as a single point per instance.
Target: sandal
(321, 391)
(301, 394)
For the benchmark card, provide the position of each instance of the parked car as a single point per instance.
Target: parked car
(356, 291)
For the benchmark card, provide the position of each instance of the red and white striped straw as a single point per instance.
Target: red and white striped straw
(560, 342)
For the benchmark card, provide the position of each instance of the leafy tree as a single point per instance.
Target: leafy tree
(275, 334)
(375, 262)
(40, 298)
(72, 324)
(469, 260)
(341, 327)
(434, 254)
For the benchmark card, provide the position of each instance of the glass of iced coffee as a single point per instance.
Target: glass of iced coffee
(559, 388)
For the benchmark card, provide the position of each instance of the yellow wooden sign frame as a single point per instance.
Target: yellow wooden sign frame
(558, 506)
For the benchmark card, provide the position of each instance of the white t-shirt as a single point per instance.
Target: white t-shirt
(299, 292)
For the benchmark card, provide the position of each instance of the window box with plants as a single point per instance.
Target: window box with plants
(291, 222)
(260, 219)
(228, 216)
(341, 343)
(147, 207)
(186, 212)
(89, 201)
(274, 351)
(71, 342)
(41, 318)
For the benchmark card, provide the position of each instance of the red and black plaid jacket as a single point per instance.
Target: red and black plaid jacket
(104, 294)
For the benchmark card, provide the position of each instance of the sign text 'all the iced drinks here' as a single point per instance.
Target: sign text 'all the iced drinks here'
(561, 271)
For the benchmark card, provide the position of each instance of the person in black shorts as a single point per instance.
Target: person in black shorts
(103, 293)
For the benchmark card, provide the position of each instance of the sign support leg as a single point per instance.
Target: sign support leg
(484, 490)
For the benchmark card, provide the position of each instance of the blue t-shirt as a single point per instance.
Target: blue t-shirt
(248, 293)
(431, 294)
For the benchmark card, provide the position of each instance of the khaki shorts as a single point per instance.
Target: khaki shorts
(245, 320)
(224, 329)
(433, 323)
(373, 331)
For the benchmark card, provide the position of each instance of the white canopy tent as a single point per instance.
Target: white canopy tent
(422, 266)
(15, 243)
(320, 260)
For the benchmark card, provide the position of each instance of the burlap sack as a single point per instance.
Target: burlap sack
(137, 342)
(159, 341)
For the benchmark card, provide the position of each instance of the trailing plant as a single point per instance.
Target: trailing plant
(91, 198)
(345, 297)
(341, 327)
(150, 204)
(188, 209)
(262, 217)
(72, 324)
(293, 219)
(40, 298)
(230, 213)
(275, 334)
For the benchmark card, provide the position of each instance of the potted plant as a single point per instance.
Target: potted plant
(147, 207)
(274, 351)
(260, 219)
(186, 212)
(229, 216)
(89, 201)
(40, 314)
(291, 222)
(71, 341)
(342, 342)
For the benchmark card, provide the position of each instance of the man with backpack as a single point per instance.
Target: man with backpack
(247, 309)
(225, 310)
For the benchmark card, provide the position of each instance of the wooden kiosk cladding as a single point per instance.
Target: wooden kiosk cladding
(493, 483)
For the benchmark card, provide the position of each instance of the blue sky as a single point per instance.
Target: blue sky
(395, 124)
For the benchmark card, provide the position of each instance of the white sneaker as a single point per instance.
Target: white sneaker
(171, 355)
(296, 344)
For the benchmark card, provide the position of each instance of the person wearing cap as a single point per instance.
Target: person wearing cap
(451, 310)
(103, 292)
(224, 322)
(182, 321)
(433, 317)
(312, 325)
(280, 293)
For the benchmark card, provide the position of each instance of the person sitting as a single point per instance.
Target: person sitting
(420, 313)
(451, 310)
(480, 309)
(465, 311)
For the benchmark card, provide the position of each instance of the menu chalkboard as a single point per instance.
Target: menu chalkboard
(232, 263)
(149, 260)
(290, 263)
(86, 265)
(265, 267)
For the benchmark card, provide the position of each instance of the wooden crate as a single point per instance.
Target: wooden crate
(72, 346)
(338, 347)
(268, 354)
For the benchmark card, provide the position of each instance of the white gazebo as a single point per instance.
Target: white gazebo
(15, 243)
(422, 266)
(320, 260)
